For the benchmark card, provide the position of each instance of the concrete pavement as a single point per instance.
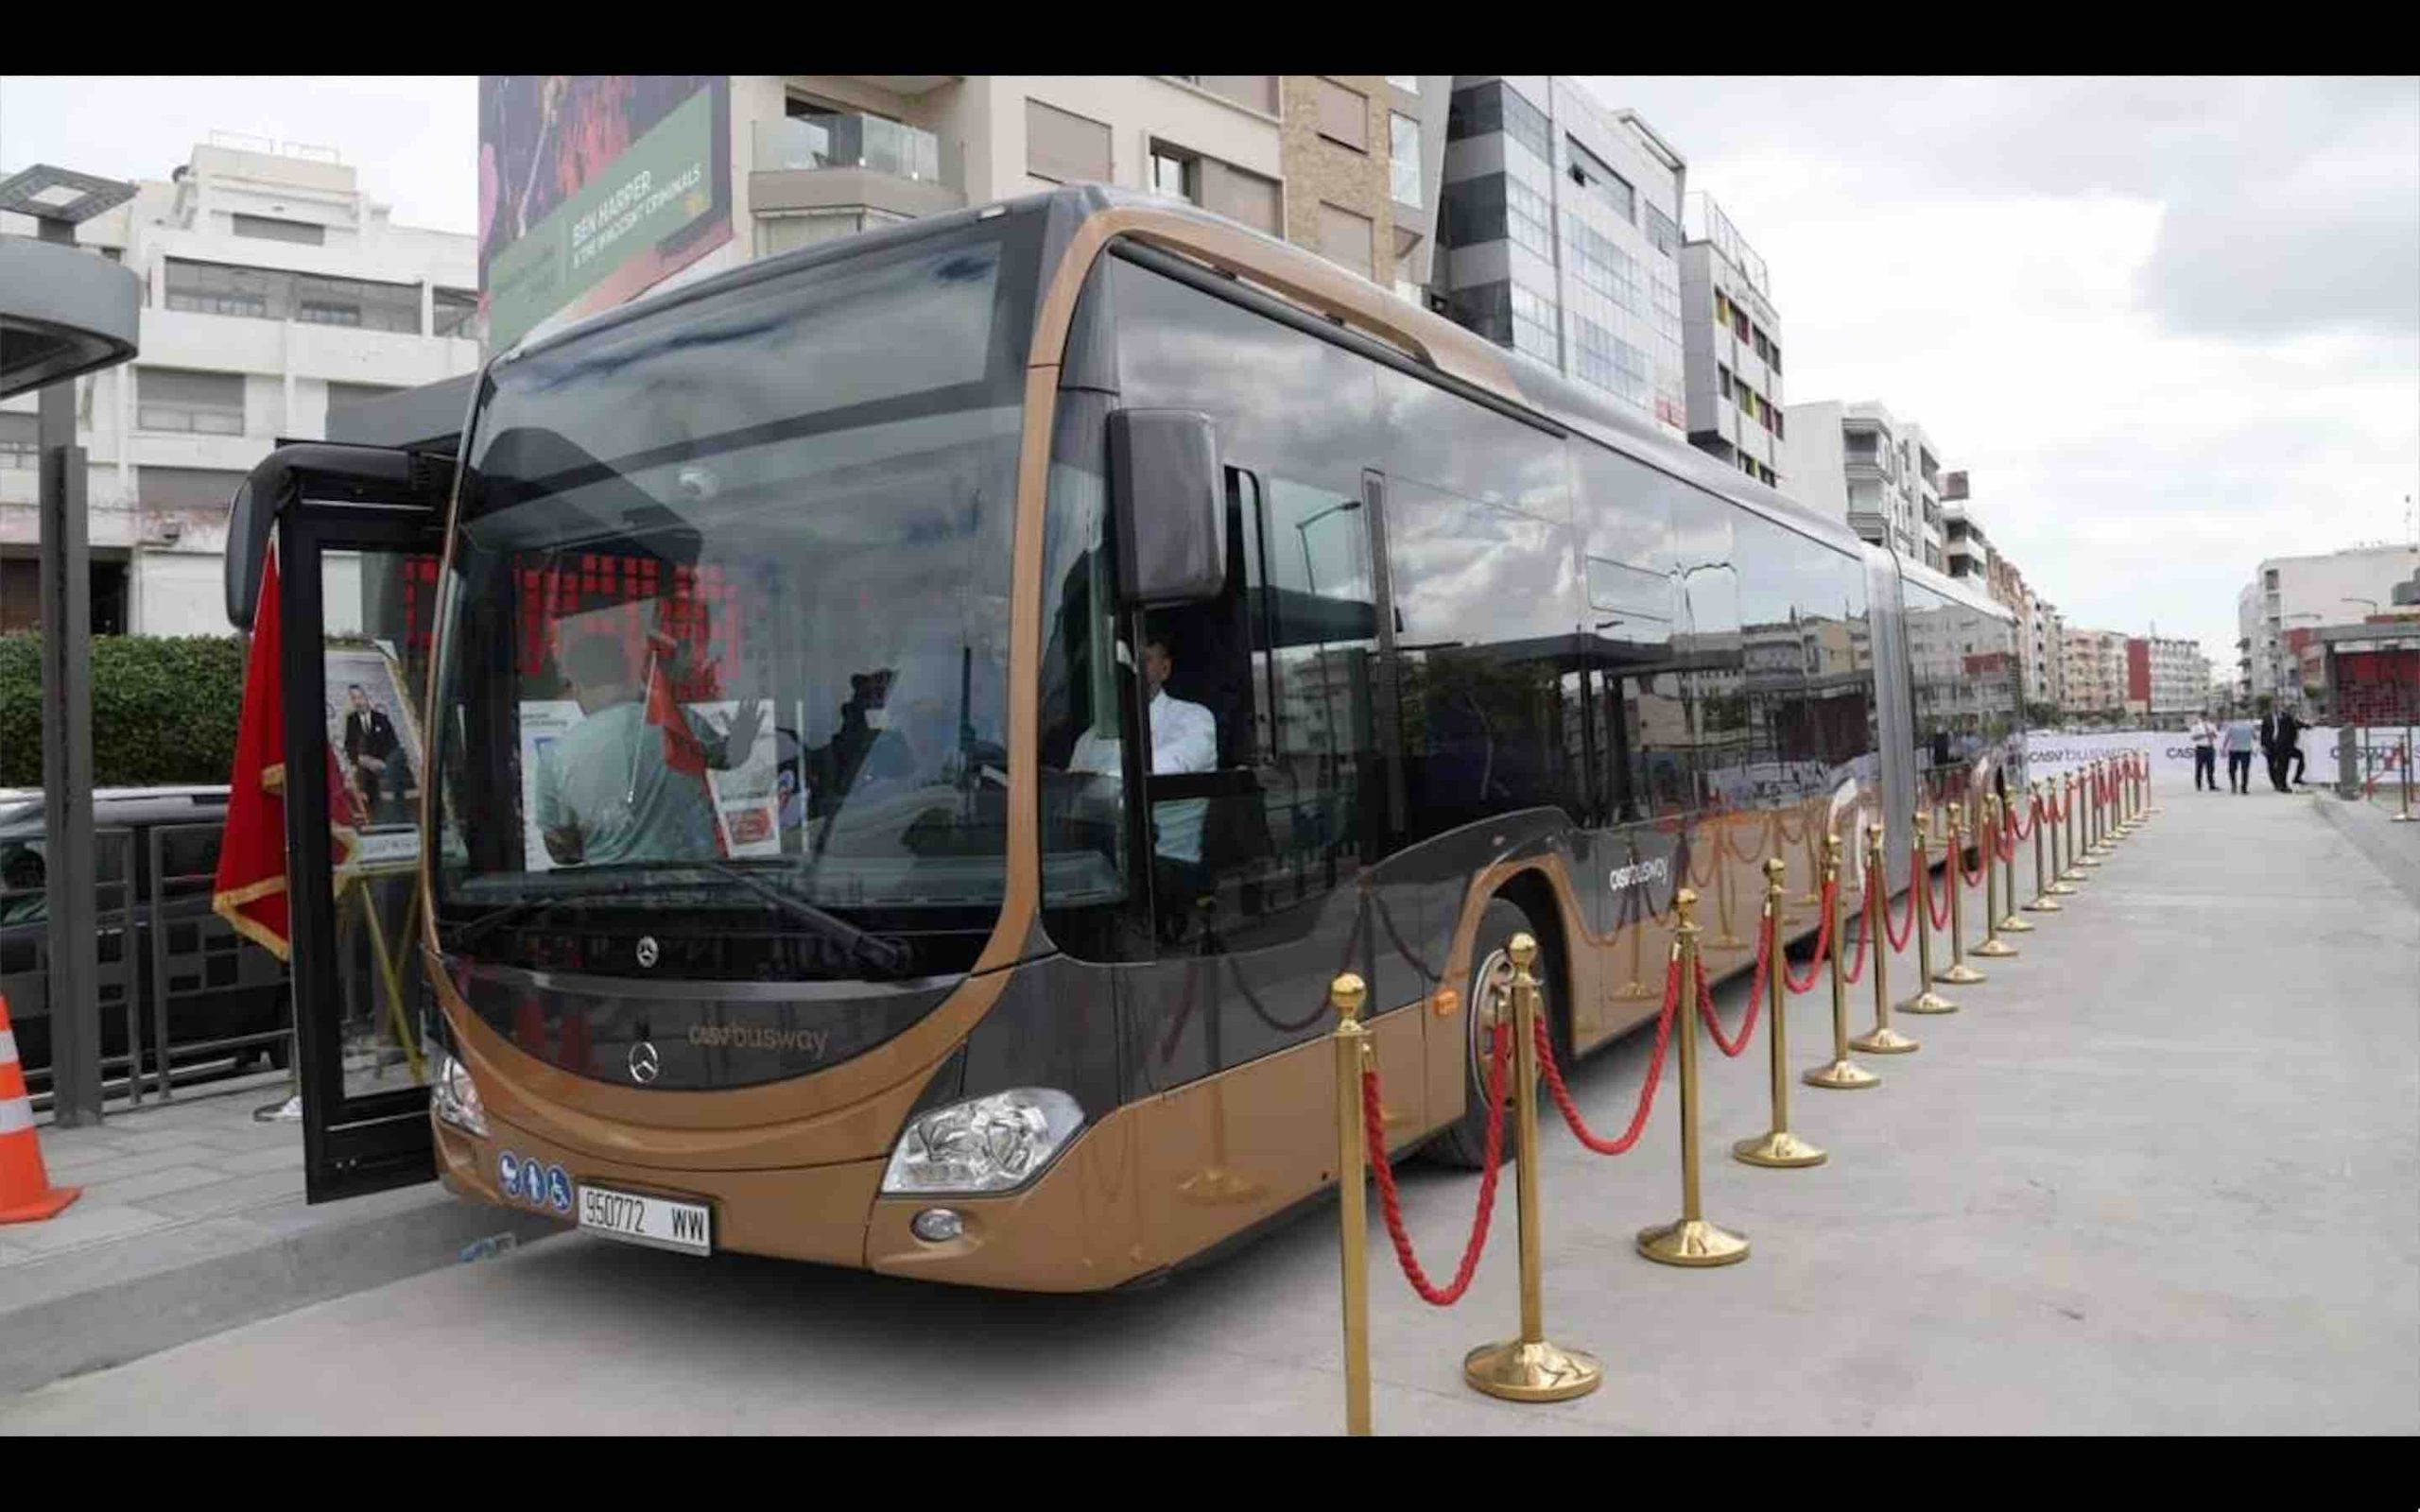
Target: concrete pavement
(2162, 1175)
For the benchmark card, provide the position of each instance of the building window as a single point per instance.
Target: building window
(1661, 229)
(186, 488)
(1589, 172)
(1764, 348)
(1722, 379)
(203, 403)
(1346, 239)
(1527, 217)
(1601, 266)
(1176, 172)
(1722, 309)
(1773, 358)
(1739, 326)
(1780, 430)
(1343, 114)
(263, 293)
(1605, 360)
(270, 230)
(1495, 106)
(1403, 159)
(1534, 326)
(455, 313)
(20, 440)
(1247, 198)
(1064, 148)
(1408, 83)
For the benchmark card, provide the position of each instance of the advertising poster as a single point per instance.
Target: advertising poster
(594, 188)
(376, 738)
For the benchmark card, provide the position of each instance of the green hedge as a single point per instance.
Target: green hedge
(163, 708)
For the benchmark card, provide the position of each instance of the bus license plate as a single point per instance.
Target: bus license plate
(686, 1227)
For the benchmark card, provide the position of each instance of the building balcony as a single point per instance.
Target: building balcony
(851, 161)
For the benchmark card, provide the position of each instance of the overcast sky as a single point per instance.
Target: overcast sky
(2170, 326)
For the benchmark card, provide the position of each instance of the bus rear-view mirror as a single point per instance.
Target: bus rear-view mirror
(1169, 504)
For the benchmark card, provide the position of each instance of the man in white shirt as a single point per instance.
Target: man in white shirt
(1184, 738)
(2206, 752)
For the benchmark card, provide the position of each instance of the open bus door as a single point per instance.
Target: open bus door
(358, 533)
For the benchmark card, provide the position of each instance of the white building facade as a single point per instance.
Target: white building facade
(1866, 466)
(275, 289)
(1731, 345)
(2289, 599)
(1561, 238)
(2096, 673)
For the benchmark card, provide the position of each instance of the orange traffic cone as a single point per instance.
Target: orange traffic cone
(26, 1192)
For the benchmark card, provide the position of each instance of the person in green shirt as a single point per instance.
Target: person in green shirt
(607, 791)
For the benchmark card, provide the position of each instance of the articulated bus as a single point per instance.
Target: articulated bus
(919, 723)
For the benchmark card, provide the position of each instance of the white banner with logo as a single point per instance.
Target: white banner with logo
(2051, 753)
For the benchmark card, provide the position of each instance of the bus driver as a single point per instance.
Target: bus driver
(1184, 739)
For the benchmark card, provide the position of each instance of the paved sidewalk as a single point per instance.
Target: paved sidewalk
(2161, 1175)
(192, 1220)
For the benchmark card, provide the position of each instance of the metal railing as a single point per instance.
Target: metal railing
(848, 142)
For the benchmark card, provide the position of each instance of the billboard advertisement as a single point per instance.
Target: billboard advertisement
(594, 187)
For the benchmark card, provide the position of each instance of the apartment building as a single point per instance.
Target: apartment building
(276, 289)
(1346, 164)
(1731, 347)
(1880, 474)
(2166, 680)
(2279, 614)
(1561, 238)
(2043, 634)
(2096, 673)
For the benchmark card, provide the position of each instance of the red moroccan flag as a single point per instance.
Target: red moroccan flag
(249, 889)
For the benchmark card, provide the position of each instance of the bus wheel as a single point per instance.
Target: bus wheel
(1463, 1144)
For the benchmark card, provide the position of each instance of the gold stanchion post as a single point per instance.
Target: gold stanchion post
(1988, 833)
(1842, 1074)
(2406, 817)
(1777, 1147)
(1690, 1241)
(2073, 871)
(2085, 856)
(1882, 1040)
(2044, 883)
(1960, 971)
(1346, 994)
(1529, 1368)
(2014, 922)
(1920, 854)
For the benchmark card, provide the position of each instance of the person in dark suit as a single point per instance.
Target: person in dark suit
(2290, 749)
(370, 744)
(2271, 755)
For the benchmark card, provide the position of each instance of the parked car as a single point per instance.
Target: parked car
(161, 948)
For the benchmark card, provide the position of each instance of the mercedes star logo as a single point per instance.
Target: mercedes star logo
(644, 1064)
(647, 951)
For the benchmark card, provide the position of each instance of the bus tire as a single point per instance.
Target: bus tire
(1463, 1143)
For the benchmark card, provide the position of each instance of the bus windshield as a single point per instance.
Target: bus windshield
(726, 629)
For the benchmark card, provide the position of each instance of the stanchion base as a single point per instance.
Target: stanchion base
(1779, 1150)
(1725, 943)
(1692, 1242)
(2403, 818)
(1993, 946)
(1635, 993)
(1960, 974)
(2045, 903)
(2016, 924)
(1885, 1042)
(1842, 1076)
(1531, 1372)
(1926, 1002)
(2068, 878)
(1218, 1186)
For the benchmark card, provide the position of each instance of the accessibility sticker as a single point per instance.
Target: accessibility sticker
(558, 1188)
(508, 1173)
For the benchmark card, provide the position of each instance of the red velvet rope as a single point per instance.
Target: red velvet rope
(1899, 937)
(1958, 854)
(1923, 884)
(1865, 922)
(1732, 846)
(1755, 1001)
(1822, 944)
(1374, 1133)
(1579, 1129)
(2024, 828)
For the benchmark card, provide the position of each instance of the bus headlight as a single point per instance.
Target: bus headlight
(452, 1098)
(983, 1144)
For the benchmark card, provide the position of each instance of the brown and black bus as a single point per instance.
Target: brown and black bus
(919, 721)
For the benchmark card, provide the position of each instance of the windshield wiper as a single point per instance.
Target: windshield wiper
(888, 954)
(504, 913)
